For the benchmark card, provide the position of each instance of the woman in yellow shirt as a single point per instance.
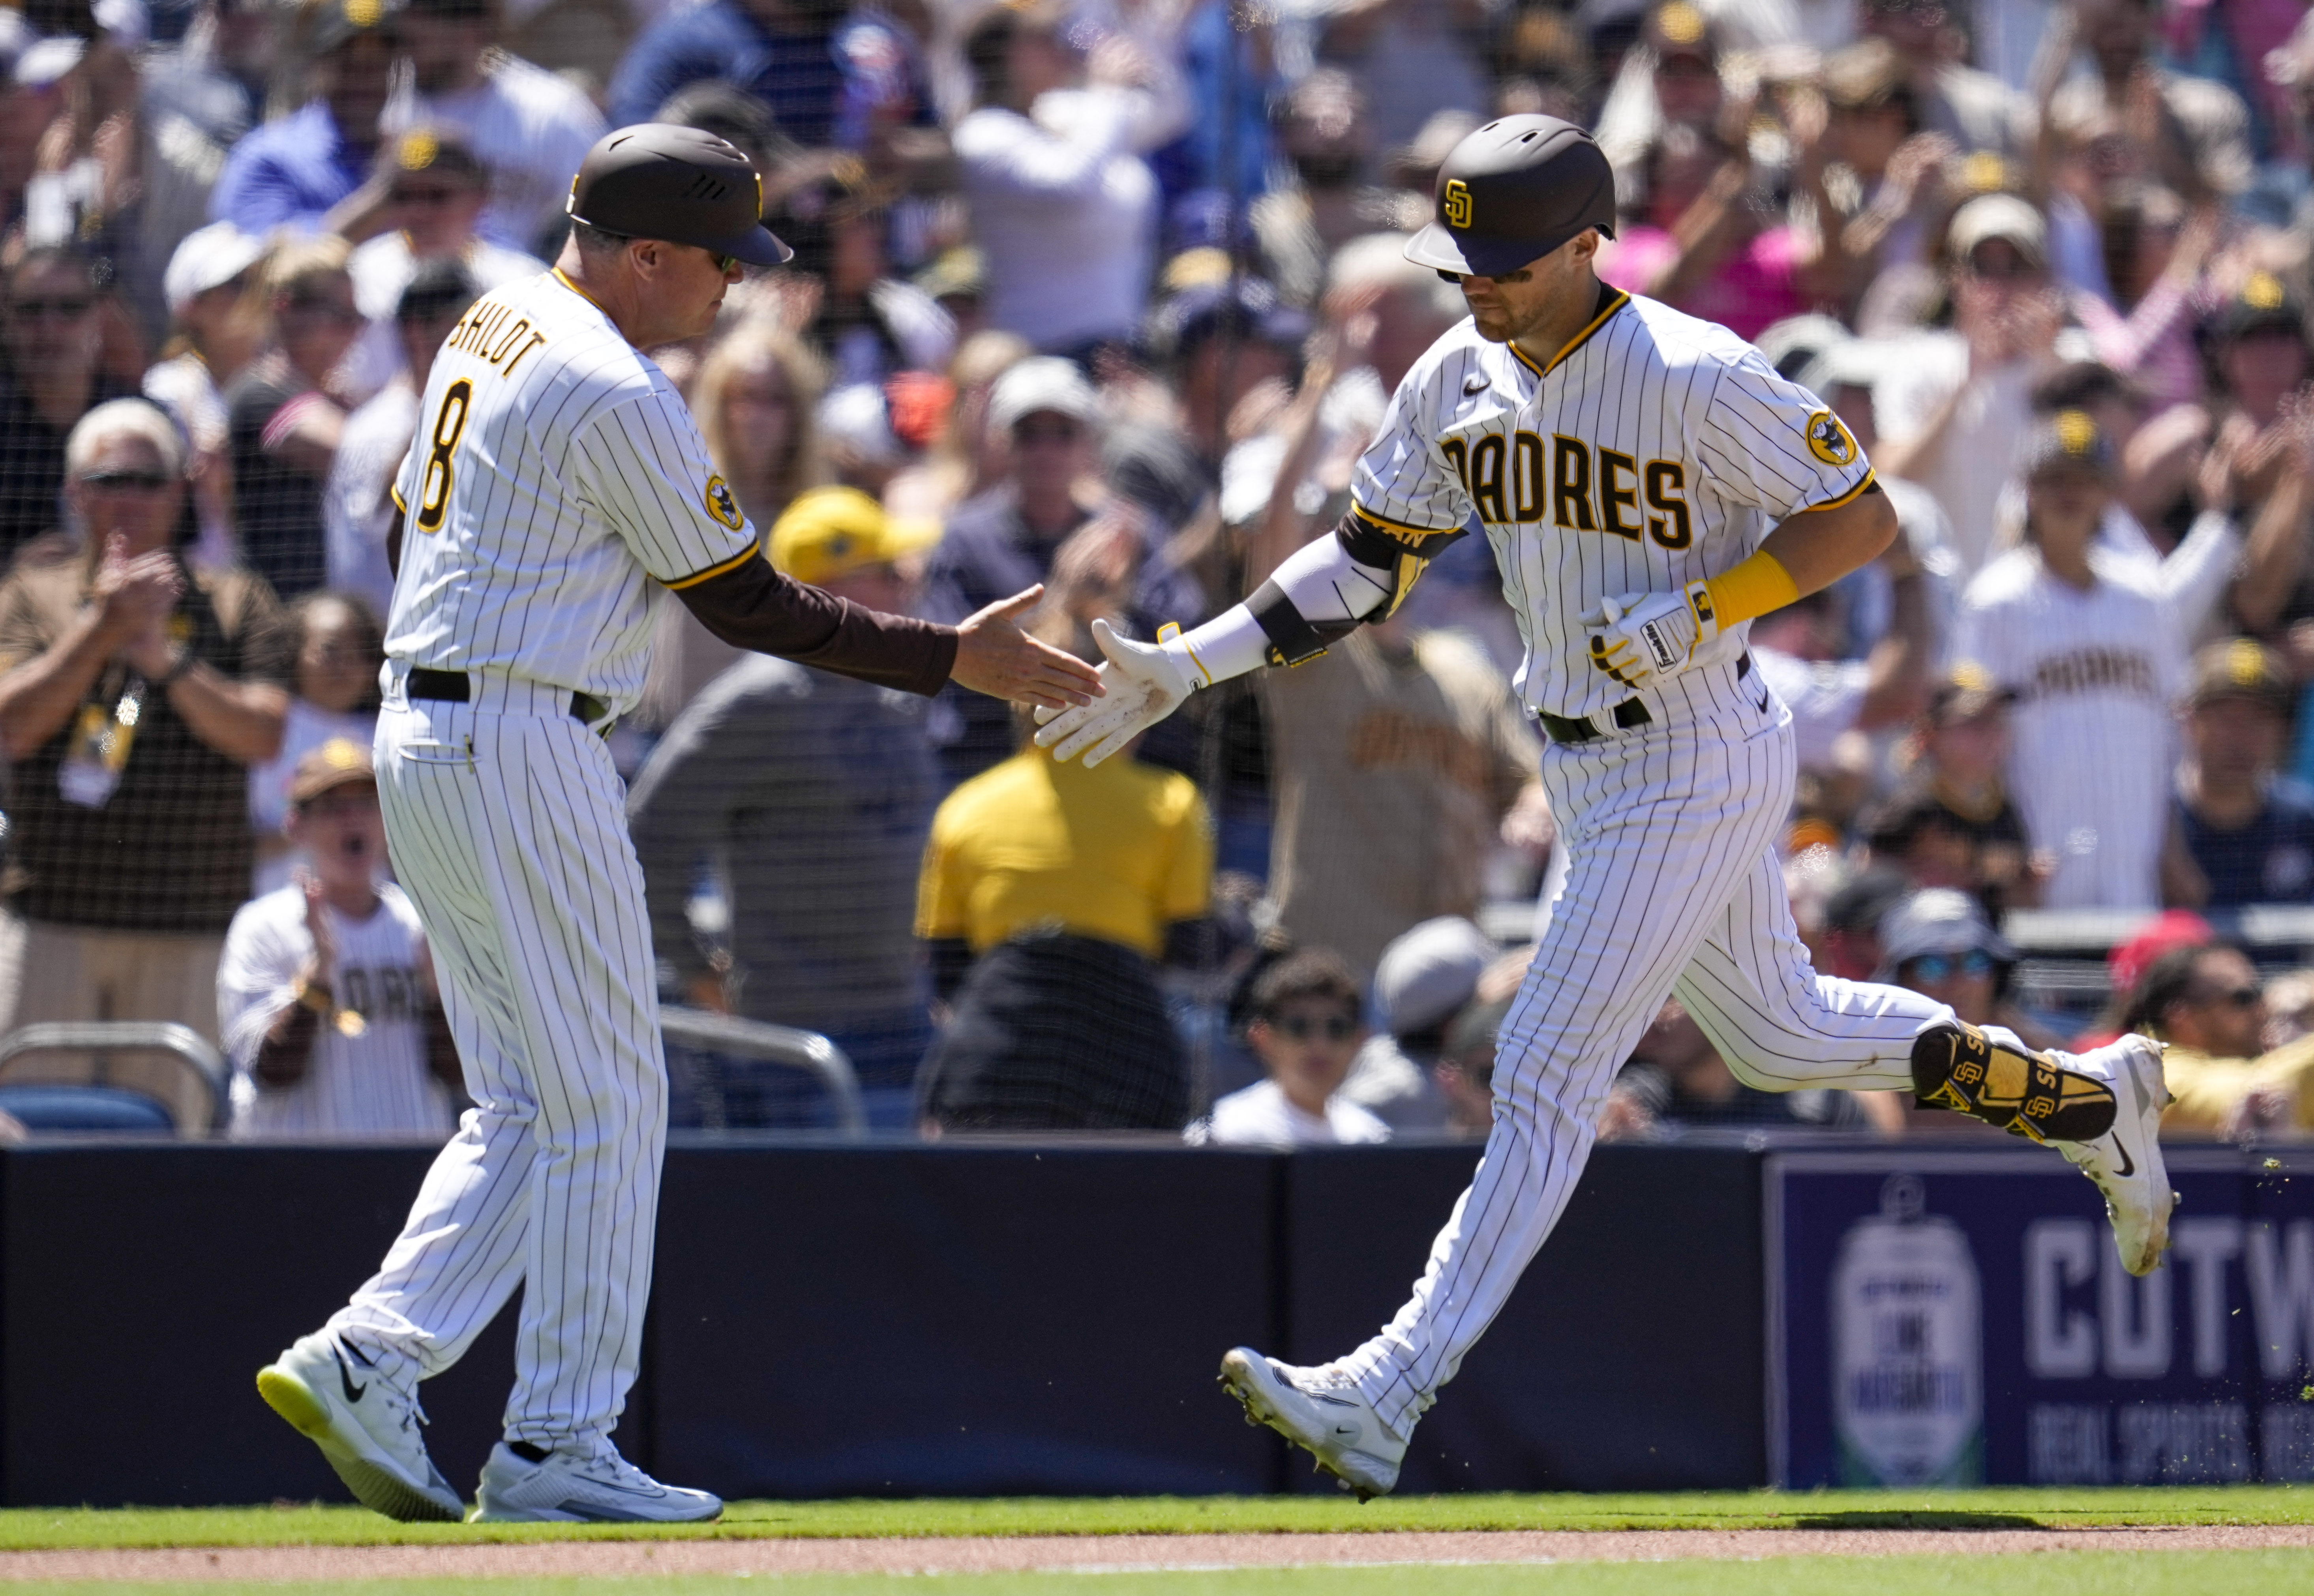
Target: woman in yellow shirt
(1049, 893)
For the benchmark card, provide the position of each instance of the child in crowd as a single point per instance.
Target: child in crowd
(1306, 1029)
(326, 996)
(338, 647)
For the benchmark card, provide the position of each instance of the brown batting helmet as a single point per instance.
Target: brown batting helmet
(657, 180)
(1512, 191)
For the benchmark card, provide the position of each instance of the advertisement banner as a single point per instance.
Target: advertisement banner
(1961, 1317)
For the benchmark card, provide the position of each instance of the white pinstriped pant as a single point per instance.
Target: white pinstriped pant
(1673, 884)
(508, 832)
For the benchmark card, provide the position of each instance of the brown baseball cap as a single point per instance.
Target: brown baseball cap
(1966, 691)
(338, 763)
(2238, 667)
(656, 180)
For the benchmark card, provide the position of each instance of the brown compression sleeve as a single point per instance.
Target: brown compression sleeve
(753, 606)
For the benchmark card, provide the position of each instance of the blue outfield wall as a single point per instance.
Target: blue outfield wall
(954, 1318)
(986, 1317)
(1956, 1316)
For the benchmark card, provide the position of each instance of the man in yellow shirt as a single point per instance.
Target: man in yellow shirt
(1048, 894)
(2205, 1002)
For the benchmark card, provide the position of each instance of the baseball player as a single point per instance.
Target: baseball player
(556, 486)
(1648, 485)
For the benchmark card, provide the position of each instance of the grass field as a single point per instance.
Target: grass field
(307, 1534)
(33, 1528)
(2055, 1574)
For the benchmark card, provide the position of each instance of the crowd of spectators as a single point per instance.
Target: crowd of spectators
(1108, 294)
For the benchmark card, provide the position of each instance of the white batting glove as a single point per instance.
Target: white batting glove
(1645, 636)
(1145, 683)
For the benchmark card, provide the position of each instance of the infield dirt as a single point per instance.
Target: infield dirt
(1055, 1553)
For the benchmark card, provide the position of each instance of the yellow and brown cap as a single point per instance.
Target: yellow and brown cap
(2068, 438)
(338, 763)
(1966, 691)
(830, 532)
(2240, 668)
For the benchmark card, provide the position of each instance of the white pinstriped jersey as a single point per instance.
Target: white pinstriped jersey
(375, 1083)
(2096, 676)
(556, 483)
(1655, 449)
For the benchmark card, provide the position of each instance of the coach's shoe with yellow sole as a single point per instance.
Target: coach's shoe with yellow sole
(370, 1429)
(601, 1487)
(1323, 1415)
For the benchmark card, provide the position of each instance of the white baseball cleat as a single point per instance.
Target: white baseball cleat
(2126, 1162)
(569, 1487)
(1321, 1413)
(369, 1428)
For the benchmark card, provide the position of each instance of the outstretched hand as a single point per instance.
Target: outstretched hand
(1143, 684)
(993, 655)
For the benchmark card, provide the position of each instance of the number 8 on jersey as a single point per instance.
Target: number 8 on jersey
(449, 426)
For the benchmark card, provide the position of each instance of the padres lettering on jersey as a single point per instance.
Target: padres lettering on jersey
(1654, 450)
(556, 487)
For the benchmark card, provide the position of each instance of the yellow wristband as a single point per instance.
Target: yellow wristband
(1755, 588)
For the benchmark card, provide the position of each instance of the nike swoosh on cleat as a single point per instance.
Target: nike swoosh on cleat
(2128, 1165)
(595, 1511)
(346, 1377)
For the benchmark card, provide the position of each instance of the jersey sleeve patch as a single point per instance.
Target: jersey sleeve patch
(722, 504)
(1829, 439)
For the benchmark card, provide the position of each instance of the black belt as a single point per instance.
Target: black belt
(1584, 729)
(1630, 712)
(452, 687)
